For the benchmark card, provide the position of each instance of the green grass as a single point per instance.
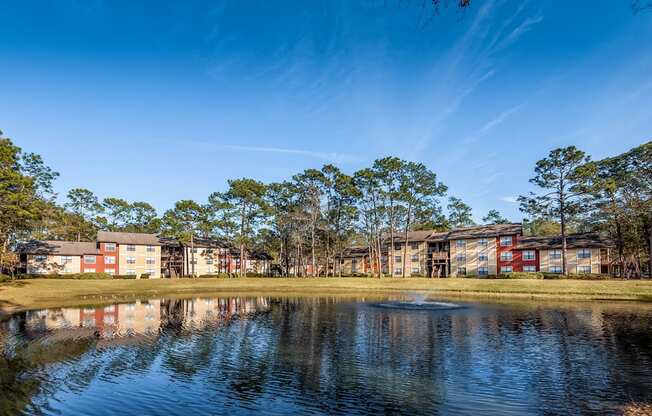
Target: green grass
(35, 293)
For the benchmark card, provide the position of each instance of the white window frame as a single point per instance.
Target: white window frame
(583, 253)
(109, 271)
(88, 258)
(130, 260)
(89, 270)
(63, 260)
(529, 268)
(483, 271)
(555, 254)
(584, 268)
(413, 260)
(131, 272)
(554, 269)
(150, 249)
(416, 270)
(131, 247)
(483, 257)
(40, 258)
(529, 255)
(110, 247)
(398, 259)
(398, 270)
(109, 259)
(460, 243)
(506, 256)
(483, 242)
(150, 260)
(460, 258)
(461, 271)
(504, 239)
(506, 269)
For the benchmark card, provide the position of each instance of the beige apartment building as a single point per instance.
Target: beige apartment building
(132, 254)
(58, 257)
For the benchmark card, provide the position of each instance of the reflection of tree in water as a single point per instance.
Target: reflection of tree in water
(330, 356)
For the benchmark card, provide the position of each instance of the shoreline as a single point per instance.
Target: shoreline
(43, 293)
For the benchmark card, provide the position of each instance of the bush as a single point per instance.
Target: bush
(125, 276)
(583, 276)
(144, 276)
(522, 275)
(4, 278)
(68, 276)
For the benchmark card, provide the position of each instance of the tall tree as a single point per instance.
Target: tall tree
(245, 202)
(418, 191)
(388, 172)
(459, 213)
(85, 205)
(24, 184)
(494, 217)
(183, 222)
(563, 179)
(311, 184)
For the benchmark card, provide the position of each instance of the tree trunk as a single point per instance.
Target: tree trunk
(649, 252)
(192, 255)
(407, 228)
(621, 249)
(563, 239)
(312, 249)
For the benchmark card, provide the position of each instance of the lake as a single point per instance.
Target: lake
(326, 355)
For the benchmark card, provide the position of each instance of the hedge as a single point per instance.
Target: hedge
(68, 276)
(4, 278)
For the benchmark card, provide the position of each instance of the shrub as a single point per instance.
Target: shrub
(574, 276)
(68, 276)
(4, 278)
(144, 276)
(124, 276)
(522, 275)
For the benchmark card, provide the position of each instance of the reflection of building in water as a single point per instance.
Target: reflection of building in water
(136, 318)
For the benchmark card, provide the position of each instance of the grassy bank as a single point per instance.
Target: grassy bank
(38, 293)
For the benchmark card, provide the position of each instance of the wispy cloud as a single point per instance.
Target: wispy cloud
(512, 199)
(498, 119)
(326, 156)
(519, 31)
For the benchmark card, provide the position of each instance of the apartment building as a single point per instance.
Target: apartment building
(60, 257)
(482, 251)
(130, 253)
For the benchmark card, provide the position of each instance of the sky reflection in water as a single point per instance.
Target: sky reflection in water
(326, 356)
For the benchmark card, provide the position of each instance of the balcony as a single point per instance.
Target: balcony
(439, 255)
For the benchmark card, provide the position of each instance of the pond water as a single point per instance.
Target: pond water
(326, 355)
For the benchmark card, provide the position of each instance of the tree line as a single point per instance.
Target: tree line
(308, 221)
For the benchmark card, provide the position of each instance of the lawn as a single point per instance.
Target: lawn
(38, 293)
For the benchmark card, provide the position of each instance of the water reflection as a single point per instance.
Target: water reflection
(324, 355)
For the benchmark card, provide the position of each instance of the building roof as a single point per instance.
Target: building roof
(477, 231)
(587, 240)
(61, 248)
(356, 251)
(139, 239)
(483, 231)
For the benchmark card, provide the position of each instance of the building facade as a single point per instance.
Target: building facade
(486, 250)
(130, 254)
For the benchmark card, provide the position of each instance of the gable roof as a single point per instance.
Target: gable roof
(586, 240)
(477, 231)
(139, 239)
(61, 248)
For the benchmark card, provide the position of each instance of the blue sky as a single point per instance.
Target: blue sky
(160, 101)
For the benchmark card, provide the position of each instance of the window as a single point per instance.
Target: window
(89, 270)
(529, 255)
(193, 250)
(506, 269)
(529, 269)
(584, 253)
(150, 260)
(131, 247)
(483, 271)
(461, 258)
(555, 254)
(415, 258)
(90, 259)
(151, 249)
(416, 270)
(398, 271)
(109, 309)
(554, 269)
(584, 269)
(460, 243)
(506, 241)
(397, 246)
(41, 258)
(151, 272)
(414, 246)
(110, 271)
(506, 256)
(131, 272)
(66, 259)
(209, 261)
(109, 247)
(461, 271)
(109, 259)
(397, 259)
(131, 260)
(483, 257)
(483, 242)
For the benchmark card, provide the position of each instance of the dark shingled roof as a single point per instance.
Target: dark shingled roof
(478, 231)
(356, 251)
(140, 239)
(61, 248)
(588, 240)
